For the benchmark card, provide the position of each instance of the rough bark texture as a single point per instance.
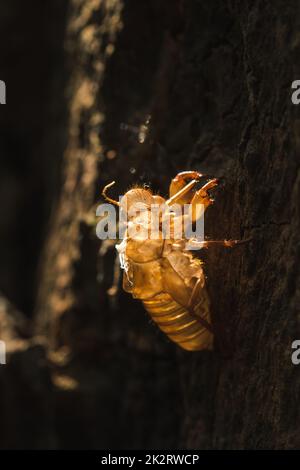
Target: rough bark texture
(89, 371)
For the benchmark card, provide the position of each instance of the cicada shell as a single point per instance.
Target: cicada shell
(161, 272)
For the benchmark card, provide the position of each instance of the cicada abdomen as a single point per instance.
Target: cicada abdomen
(188, 330)
(179, 306)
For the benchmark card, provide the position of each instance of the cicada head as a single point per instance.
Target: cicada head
(136, 197)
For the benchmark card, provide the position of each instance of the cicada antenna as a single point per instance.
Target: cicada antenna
(112, 201)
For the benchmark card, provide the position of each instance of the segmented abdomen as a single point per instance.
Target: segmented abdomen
(179, 324)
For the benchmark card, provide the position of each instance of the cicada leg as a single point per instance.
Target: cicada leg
(201, 200)
(194, 244)
(181, 180)
(113, 291)
(181, 192)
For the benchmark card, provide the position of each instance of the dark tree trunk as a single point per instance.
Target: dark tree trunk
(215, 79)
